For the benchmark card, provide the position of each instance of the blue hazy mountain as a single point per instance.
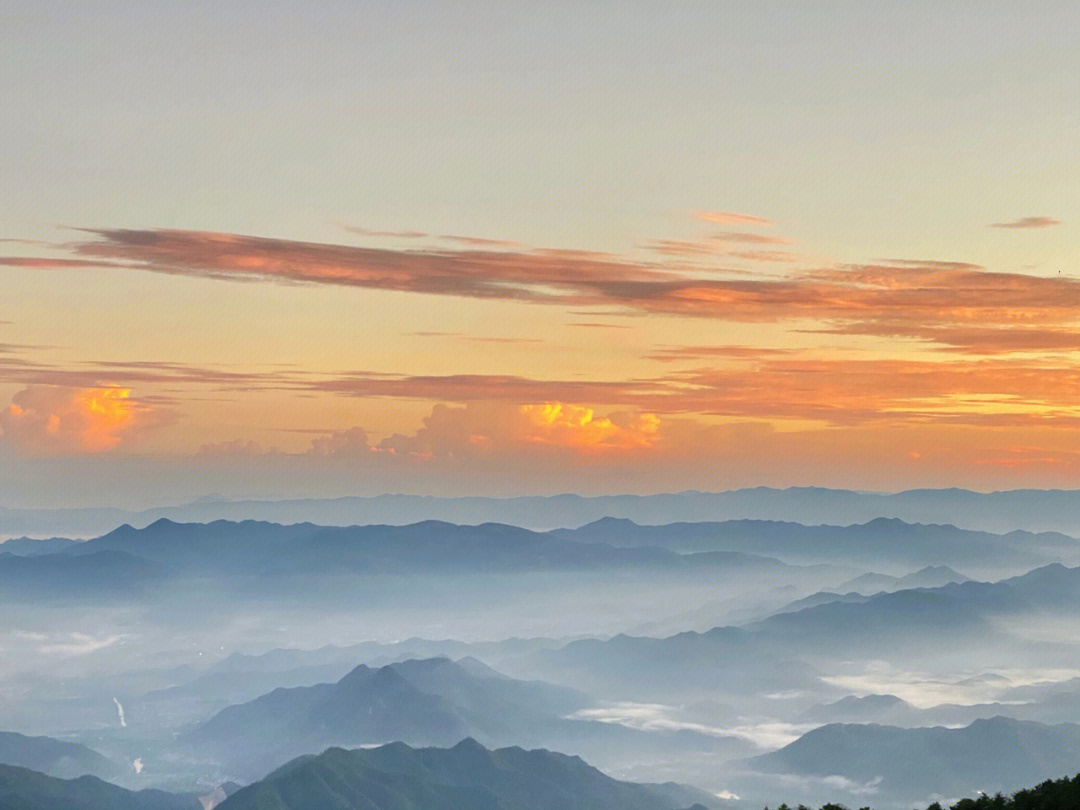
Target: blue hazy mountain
(1032, 510)
(98, 574)
(1053, 702)
(882, 542)
(989, 755)
(397, 777)
(424, 702)
(24, 789)
(932, 576)
(32, 546)
(54, 757)
(959, 622)
(431, 547)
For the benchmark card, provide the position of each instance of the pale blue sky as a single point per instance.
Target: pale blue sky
(866, 127)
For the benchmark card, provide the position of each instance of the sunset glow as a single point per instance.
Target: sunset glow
(474, 279)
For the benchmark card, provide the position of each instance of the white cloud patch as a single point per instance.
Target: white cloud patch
(77, 644)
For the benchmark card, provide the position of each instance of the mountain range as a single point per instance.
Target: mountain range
(773, 655)
(427, 547)
(887, 543)
(989, 755)
(1033, 510)
(421, 702)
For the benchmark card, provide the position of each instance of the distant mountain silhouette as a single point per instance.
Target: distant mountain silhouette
(886, 709)
(879, 542)
(426, 702)
(770, 655)
(54, 757)
(271, 549)
(988, 755)
(1047, 703)
(1033, 510)
(932, 576)
(102, 574)
(24, 789)
(397, 777)
(30, 546)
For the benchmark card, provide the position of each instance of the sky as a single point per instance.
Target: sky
(284, 249)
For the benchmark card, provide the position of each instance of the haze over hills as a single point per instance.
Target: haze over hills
(926, 624)
(420, 702)
(268, 548)
(877, 544)
(99, 575)
(221, 651)
(24, 789)
(58, 758)
(932, 576)
(1002, 511)
(989, 755)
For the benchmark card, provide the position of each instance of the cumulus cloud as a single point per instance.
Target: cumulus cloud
(1028, 222)
(47, 420)
(499, 428)
(232, 447)
(341, 442)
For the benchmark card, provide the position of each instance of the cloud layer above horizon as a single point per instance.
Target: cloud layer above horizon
(539, 250)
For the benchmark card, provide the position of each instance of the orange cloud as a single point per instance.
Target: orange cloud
(731, 218)
(675, 353)
(780, 386)
(1028, 222)
(233, 447)
(394, 234)
(47, 421)
(572, 426)
(685, 247)
(341, 442)
(491, 429)
(751, 238)
(929, 299)
(766, 255)
(972, 339)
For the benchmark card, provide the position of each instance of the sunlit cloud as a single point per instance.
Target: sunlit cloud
(47, 421)
(491, 429)
(681, 353)
(393, 234)
(972, 339)
(767, 256)
(580, 428)
(731, 218)
(686, 247)
(1028, 222)
(341, 442)
(232, 447)
(76, 644)
(750, 238)
(871, 296)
